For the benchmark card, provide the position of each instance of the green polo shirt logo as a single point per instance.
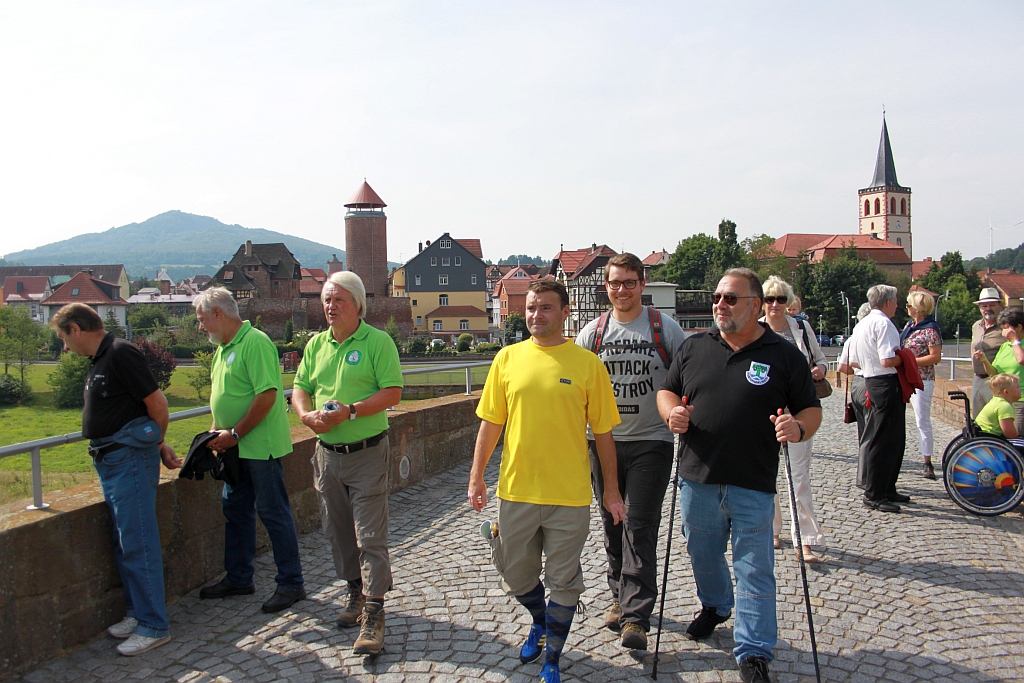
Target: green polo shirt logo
(353, 357)
(230, 359)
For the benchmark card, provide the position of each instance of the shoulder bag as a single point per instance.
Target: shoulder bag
(821, 386)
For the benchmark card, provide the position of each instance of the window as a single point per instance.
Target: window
(418, 282)
(472, 279)
(438, 326)
(419, 320)
(446, 244)
(433, 260)
(463, 324)
(878, 206)
(458, 260)
(414, 301)
(899, 241)
(867, 207)
(892, 205)
(228, 275)
(446, 260)
(442, 279)
(442, 300)
(903, 206)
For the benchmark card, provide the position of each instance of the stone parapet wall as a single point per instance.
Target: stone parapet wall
(58, 583)
(943, 408)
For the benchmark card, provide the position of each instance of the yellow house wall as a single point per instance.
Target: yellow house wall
(428, 301)
(451, 324)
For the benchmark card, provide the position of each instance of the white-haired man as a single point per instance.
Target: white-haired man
(247, 402)
(987, 337)
(351, 374)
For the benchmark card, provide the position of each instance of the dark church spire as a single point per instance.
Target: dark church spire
(885, 167)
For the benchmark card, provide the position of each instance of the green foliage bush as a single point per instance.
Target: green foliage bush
(199, 377)
(417, 345)
(289, 332)
(12, 391)
(67, 382)
(464, 341)
(485, 347)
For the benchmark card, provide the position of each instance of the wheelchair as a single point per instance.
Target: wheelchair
(981, 472)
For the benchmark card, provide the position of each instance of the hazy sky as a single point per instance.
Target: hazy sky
(528, 125)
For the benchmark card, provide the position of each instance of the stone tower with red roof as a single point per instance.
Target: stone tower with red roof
(366, 240)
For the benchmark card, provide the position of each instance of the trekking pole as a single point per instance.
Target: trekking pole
(803, 565)
(668, 553)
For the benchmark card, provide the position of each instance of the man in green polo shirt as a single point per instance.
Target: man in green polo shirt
(247, 401)
(352, 373)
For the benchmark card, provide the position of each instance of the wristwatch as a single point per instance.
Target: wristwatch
(802, 432)
(234, 435)
(352, 411)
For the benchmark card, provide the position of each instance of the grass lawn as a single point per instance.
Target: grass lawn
(68, 465)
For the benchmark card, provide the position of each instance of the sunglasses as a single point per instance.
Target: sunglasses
(730, 299)
(769, 300)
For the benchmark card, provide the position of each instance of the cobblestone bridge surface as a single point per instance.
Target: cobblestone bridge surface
(932, 594)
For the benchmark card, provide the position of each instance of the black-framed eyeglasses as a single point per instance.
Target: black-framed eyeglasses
(730, 299)
(628, 284)
(773, 299)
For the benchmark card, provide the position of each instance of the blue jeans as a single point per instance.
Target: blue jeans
(710, 514)
(129, 477)
(261, 491)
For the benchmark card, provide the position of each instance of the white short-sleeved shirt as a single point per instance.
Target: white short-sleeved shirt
(873, 340)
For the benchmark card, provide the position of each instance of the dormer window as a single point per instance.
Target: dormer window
(229, 275)
(446, 244)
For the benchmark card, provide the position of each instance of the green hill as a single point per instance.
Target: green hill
(183, 243)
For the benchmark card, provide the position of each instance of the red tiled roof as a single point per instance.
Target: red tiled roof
(656, 258)
(1009, 283)
(472, 246)
(318, 274)
(88, 293)
(365, 198)
(860, 242)
(516, 287)
(573, 261)
(32, 287)
(455, 311)
(791, 244)
(919, 288)
(591, 258)
(919, 269)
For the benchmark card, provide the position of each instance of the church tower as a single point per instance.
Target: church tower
(885, 204)
(366, 240)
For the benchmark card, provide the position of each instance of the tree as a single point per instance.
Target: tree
(67, 382)
(728, 253)
(417, 345)
(819, 286)
(689, 263)
(951, 264)
(112, 324)
(161, 362)
(515, 322)
(957, 309)
(391, 328)
(145, 317)
(289, 332)
(465, 340)
(199, 377)
(20, 339)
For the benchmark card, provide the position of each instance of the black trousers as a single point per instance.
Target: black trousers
(884, 438)
(644, 471)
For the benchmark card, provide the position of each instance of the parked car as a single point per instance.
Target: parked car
(839, 339)
(824, 341)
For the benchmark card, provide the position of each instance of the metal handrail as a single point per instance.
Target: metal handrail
(35, 447)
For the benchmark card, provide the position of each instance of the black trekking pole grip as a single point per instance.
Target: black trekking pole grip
(800, 553)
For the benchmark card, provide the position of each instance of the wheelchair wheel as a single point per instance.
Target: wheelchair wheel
(983, 476)
(957, 440)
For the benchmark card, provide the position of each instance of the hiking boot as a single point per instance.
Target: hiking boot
(550, 674)
(612, 616)
(705, 623)
(136, 644)
(755, 670)
(350, 616)
(533, 648)
(371, 634)
(929, 471)
(123, 628)
(223, 589)
(633, 636)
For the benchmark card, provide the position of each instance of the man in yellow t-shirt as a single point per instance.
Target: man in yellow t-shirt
(544, 391)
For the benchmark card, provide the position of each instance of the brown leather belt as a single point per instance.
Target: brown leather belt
(353, 447)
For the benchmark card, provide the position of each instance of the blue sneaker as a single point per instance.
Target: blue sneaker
(550, 674)
(533, 648)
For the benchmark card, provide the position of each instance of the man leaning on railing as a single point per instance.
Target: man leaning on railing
(125, 419)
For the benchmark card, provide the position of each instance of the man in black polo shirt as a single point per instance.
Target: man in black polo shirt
(125, 418)
(725, 394)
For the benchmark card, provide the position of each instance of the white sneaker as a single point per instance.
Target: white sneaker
(136, 644)
(123, 628)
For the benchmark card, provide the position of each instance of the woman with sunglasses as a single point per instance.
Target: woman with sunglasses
(777, 294)
(923, 338)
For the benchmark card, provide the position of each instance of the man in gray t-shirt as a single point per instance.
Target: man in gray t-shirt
(643, 444)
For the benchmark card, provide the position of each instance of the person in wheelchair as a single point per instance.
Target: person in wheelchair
(997, 417)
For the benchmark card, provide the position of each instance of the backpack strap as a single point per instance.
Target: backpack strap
(602, 325)
(807, 342)
(657, 330)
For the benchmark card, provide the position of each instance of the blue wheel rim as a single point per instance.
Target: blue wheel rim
(983, 476)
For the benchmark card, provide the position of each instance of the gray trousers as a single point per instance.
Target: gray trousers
(980, 395)
(352, 490)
